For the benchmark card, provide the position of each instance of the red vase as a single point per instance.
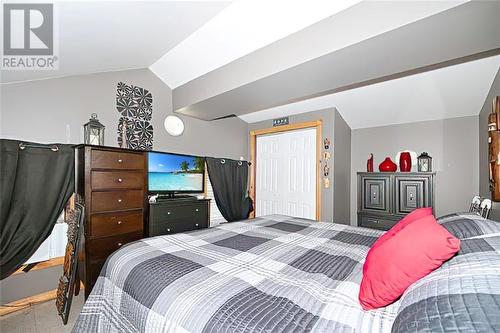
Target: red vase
(369, 164)
(405, 162)
(387, 165)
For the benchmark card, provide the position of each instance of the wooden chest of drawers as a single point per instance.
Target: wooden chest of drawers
(113, 185)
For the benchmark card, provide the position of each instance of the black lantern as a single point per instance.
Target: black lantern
(424, 163)
(94, 131)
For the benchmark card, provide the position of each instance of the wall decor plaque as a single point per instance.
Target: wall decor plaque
(135, 105)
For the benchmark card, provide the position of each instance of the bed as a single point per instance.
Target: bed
(284, 274)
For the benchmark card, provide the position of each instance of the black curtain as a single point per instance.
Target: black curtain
(229, 179)
(35, 185)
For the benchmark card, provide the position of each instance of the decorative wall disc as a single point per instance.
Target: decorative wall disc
(174, 125)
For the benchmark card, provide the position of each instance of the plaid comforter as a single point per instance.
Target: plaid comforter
(270, 274)
(463, 295)
(283, 274)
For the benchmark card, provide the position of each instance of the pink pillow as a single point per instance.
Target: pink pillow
(417, 214)
(410, 254)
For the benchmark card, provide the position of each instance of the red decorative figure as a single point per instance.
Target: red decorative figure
(369, 164)
(387, 165)
(405, 162)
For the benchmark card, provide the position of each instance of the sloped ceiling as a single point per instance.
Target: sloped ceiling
(243, 27)
(449, 92)
(339, 30)
(102, 36)
(261, 59)
(460, 34)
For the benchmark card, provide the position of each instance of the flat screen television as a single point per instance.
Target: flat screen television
(175, 173)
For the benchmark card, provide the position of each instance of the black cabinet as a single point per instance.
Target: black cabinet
(386, 197)
(171, 216)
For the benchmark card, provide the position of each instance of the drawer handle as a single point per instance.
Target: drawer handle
(119, 244)
(197, 209)
(196, 225)
(120, 180)
(120, 160)
(168, 230)
(119, 222)
(168, 213)
(120, 200)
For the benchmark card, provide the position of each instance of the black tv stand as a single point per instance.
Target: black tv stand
(180, 214)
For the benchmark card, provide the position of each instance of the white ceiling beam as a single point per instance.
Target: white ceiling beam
(450, 92)
(241, 28)
(348, 27)
(460, 34)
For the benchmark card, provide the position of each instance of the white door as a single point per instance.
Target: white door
(286, 174)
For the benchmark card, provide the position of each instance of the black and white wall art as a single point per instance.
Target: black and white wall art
(135, 105)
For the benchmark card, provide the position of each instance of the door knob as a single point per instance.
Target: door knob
(120, 200)
(119, 222)
(120, 160)
(120, 180)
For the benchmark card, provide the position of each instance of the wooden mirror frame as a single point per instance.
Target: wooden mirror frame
(69, 283)
(494, 149)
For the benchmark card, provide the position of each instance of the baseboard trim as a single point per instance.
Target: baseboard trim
(57, 261)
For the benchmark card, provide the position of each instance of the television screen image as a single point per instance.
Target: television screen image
(175, 173)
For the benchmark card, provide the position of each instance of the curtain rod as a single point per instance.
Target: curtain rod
(23, 146)
(240, 162)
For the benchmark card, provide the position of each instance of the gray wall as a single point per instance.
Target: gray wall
(41, 111)
(483, 146)
(328, 116)
(341, 170)
(452, 143)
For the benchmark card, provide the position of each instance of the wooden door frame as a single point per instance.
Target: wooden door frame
(317, 124)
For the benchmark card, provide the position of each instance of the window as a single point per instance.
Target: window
(216, 217)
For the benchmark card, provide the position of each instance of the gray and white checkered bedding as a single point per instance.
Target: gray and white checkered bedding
(280, 274)
(469, 225)
(463, 295)
(271, 274)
